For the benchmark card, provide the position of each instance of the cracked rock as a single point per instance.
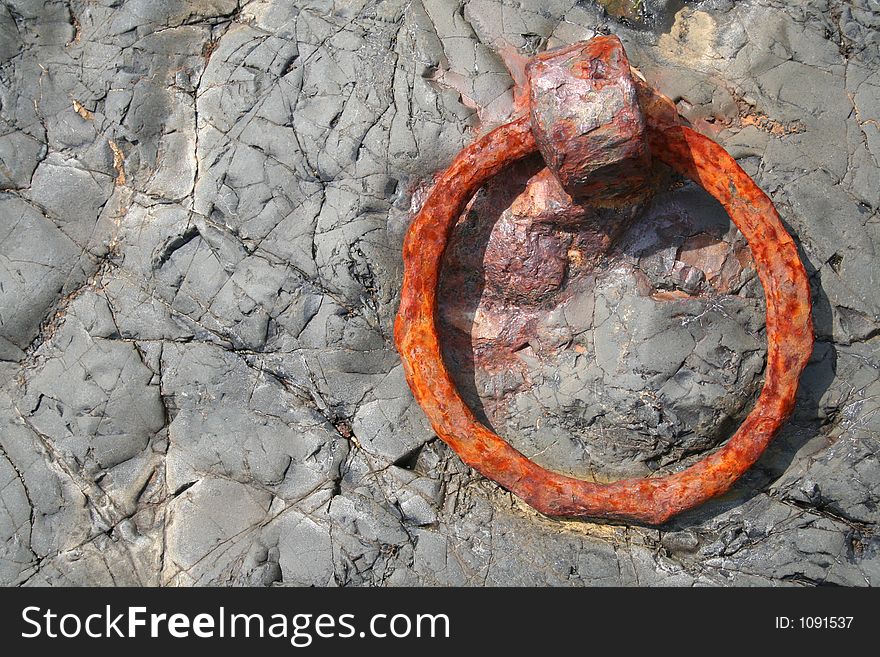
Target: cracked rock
(202, 209)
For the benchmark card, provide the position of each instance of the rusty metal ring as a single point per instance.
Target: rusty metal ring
(648, 500)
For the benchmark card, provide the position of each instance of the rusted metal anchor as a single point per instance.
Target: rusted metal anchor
(599, 128)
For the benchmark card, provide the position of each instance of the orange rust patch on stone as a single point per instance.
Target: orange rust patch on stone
(82, 111)
(721, 262)
(766, 124)
(118, 162)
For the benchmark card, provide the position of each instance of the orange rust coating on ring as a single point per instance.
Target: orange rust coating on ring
(648, 500)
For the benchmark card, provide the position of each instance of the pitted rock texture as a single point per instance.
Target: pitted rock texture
(202, 206)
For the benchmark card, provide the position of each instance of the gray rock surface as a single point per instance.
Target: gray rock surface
(202, 206)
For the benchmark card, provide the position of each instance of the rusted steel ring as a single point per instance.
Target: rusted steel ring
(648, 500)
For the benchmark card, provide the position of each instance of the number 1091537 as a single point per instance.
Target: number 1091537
(814, 622)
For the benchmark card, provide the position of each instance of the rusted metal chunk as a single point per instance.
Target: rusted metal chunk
(588, 123)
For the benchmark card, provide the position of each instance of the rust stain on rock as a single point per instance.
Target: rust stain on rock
(118, 162)
(82, 111)
(721, 262)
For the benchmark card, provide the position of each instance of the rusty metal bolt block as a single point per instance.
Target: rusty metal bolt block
(587, 121)
(789, 325)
